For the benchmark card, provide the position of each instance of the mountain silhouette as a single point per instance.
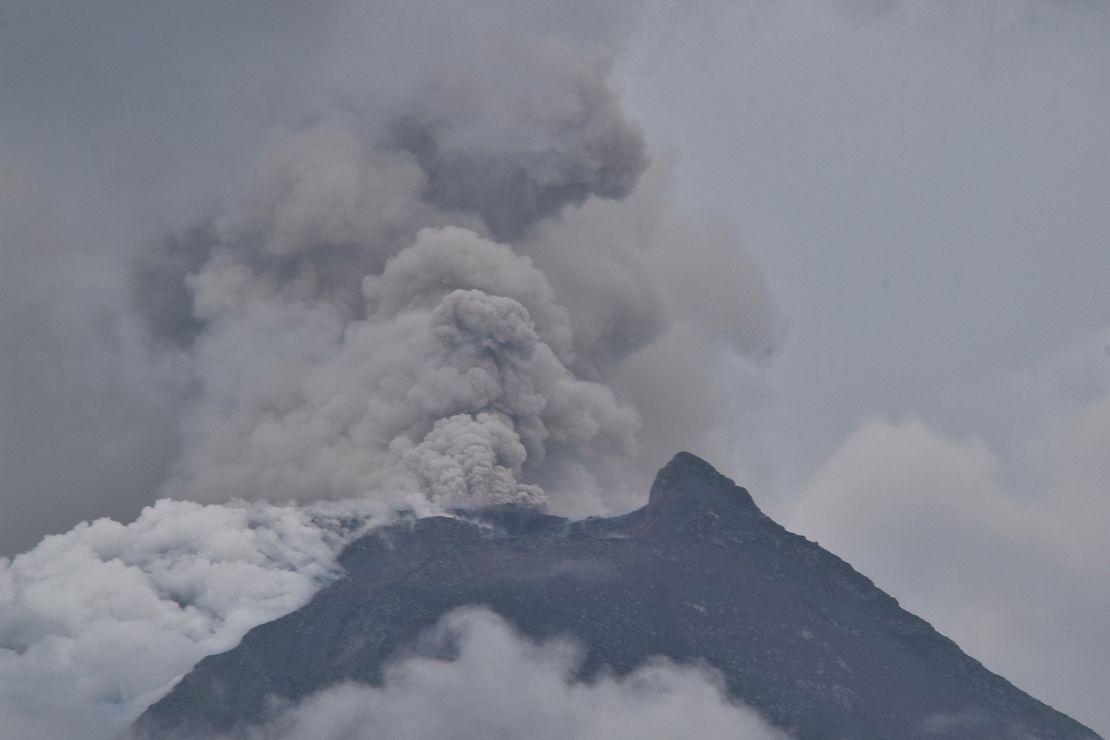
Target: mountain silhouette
(699, 575)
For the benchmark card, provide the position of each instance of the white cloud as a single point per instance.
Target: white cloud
(97, 622)
(1006, 575)
(501, 685)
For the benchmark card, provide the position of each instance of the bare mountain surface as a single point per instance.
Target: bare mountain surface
(699, 575)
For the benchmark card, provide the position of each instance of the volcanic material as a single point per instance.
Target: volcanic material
(699, 576)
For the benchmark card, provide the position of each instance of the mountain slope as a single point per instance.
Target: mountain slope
(698, 574)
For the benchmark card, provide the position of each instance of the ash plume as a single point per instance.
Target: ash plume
(441, 300)
(452, 277)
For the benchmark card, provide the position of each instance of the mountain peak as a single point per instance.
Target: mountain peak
(699, 575)
(690, 482)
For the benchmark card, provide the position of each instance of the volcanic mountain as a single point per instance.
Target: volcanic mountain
(699, 575)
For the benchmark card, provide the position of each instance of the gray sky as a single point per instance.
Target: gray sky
(924, 185)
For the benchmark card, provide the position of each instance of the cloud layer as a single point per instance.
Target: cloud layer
(497, 684)
(97, 623)
(926, 516)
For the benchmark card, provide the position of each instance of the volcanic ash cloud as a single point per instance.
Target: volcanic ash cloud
(458, 281)
(372, 319)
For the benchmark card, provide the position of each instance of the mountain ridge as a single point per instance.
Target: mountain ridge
(697, 574)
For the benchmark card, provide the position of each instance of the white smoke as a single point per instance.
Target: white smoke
(97, 623)
(500, 685)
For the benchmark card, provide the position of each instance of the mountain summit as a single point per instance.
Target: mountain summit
(699, 575)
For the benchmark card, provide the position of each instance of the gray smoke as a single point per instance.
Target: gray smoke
(512, 148)
(441, 299)
(285, 167)
(418, 258)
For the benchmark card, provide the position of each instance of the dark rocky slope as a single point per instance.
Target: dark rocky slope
(699, 574)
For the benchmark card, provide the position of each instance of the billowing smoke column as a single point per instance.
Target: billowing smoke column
(96, 623)
(437, 305)
(464, 287)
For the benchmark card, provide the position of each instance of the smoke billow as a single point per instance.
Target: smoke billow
(97, 623)
(441, 301)
(452, 278)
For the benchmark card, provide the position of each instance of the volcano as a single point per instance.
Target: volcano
(699, 575)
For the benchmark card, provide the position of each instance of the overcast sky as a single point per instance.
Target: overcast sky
(925, 186)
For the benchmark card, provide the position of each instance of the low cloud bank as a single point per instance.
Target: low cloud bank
(497, 684)
(913, 507)
(97, 623)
